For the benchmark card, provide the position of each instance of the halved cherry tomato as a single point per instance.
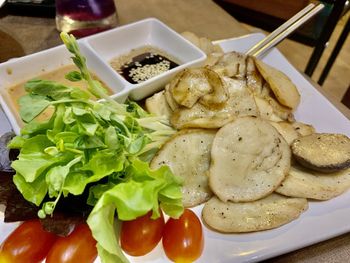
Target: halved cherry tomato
(29, 243)
(79, 246)
(140, 236)
(183, 239)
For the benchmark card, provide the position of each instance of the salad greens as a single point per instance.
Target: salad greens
(102, 146)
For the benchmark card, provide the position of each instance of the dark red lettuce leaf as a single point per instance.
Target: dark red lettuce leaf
(17, 208)
(69, 211)
(61, 224)
(6, 155)
(6, 186)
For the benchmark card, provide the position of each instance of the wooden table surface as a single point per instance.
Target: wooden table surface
(26, 35)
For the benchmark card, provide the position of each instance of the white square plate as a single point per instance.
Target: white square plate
(323, 220)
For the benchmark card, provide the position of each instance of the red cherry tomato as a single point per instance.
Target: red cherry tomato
(140, 236)
(79, 246)
(29, 243)
(183, 239)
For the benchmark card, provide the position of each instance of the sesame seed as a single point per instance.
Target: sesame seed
(145, 72)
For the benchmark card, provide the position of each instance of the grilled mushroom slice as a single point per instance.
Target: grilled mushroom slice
(324, 152)
(249, 160)
(267, 213)
(287, 130)
(188, 156)
(158, 105)
(232, 64)
(240, 103)
(201, 84)
(285, 91)
(303, 182)
(303, 129)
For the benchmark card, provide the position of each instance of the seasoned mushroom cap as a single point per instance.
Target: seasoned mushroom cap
(324, 152)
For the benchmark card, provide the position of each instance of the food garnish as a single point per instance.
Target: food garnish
(102, 146)
(29, 242)
(141, 235)
(79, 246)
(183, 238)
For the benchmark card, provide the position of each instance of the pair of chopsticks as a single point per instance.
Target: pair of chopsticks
(284, 30)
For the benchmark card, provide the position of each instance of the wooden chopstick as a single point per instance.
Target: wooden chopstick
(284, 30)
(279, 30)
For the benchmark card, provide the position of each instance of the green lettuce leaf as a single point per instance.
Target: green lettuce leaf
(131, 199)
(33, 192)
(32, 160)
(37, 104)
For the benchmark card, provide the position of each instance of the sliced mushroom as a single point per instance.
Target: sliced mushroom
(232, 64)
(303, 129)
(240, 103)
(267, 213)
(203, 43)
(190, 36)
(254, 79)
(188, 86)
(158, 105)
(219, 94)
(201, 117)
(279, 110)
(287, 130)
(265, 110)
(188, 156)
(201, 84)
(325, 152)
(169, 98)
(249, 160)
(303, 182)
(283, 88)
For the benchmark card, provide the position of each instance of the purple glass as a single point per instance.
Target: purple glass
(85, 17)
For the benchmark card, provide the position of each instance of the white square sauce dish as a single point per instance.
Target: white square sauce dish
(145, 40)
(51, 64)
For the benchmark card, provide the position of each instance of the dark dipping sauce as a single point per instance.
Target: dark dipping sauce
(141, 67)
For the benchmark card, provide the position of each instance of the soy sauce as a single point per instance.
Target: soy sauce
(140, 67)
